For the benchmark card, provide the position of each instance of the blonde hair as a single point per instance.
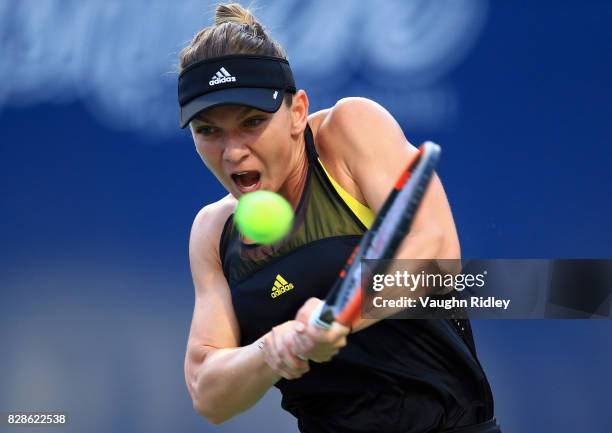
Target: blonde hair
(235, 31)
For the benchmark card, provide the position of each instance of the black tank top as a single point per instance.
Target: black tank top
(394, 376)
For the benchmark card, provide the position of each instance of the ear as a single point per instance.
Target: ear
(299, 112)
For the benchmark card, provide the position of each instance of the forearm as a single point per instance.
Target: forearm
(229, 381)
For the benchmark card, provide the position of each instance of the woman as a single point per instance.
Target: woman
(252, 129)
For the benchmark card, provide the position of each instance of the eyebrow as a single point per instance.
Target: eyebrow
(241, 113)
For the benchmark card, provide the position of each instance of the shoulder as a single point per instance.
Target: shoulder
(212, 213)
(208, 225)
(353, 115)
(363, 148)
(353, 124)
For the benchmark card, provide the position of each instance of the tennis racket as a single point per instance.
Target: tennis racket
(381, 241)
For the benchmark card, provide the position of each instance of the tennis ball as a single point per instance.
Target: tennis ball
(263, 216)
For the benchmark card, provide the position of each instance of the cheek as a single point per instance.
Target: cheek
(277, 155)
(210, 154)
(281, 149)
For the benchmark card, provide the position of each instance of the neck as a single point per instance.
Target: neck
(294, 185)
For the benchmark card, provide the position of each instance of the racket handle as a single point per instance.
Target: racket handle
(316, 317)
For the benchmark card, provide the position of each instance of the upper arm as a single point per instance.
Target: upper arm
(214, 323)
(374, 152)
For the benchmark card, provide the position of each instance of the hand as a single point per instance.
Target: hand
(279, 352)
(314, 343)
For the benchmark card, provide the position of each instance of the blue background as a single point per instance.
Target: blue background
(94, 274)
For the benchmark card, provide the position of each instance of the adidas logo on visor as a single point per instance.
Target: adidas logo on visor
(222, 76)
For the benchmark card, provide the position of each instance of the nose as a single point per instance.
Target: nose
(235, 149)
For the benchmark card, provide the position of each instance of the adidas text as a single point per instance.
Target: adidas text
(282, 290)
(221, 80)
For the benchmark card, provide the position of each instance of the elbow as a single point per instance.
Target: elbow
(433, 241)
(208, 413)
(445, 243)
(450, 248)
(204, 405)
(201, 391)
(211, 397)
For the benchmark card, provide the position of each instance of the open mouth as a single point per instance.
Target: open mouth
(246, 181)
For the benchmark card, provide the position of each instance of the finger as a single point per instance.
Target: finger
(306, 310)
(336, 341)
(299, 327)
(290, 340)
(286, 351)
(280, 353)
(331, 336)
(300, 367)
(273, 358)
(339, 329)
(304, 368)
(315, 333)
(269, 352)
(277, 362)
(302, 344)
(327, 356)
(288, 361)
(287, 375)
(282, 370)
(294, 362)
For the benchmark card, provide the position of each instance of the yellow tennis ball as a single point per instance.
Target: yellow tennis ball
(263, 216)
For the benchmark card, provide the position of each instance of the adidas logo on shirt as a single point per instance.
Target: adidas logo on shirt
(222, 76)
(280, 286)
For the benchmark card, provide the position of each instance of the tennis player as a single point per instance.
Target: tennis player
(252, 129)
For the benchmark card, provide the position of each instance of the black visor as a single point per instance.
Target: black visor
(255, 81)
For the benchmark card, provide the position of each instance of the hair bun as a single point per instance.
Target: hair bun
(235, 13)
(235, 31)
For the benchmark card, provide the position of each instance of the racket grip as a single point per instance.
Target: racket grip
(315, 316)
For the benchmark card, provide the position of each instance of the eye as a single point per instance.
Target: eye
(254, 121)
(206, 130)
